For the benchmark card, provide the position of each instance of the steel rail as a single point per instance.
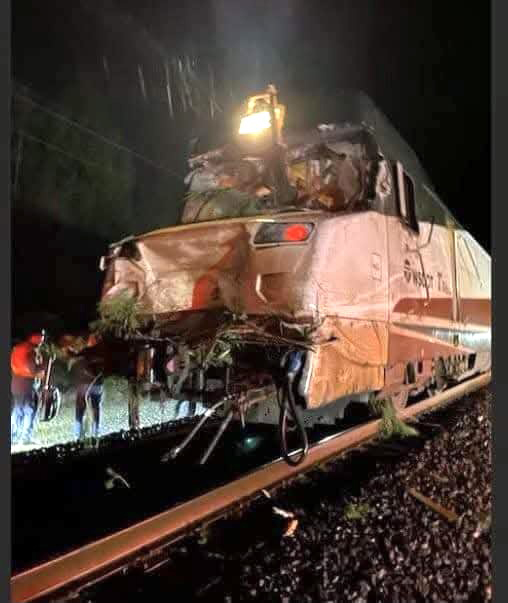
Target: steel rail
(99, 558)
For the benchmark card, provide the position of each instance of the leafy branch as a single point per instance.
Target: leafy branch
(118, 315)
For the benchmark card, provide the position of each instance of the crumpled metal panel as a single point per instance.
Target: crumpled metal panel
(348, 276)
(340, 271)
(222, 204)
(332, 175)
(190, 270)
(350, 357)
(337, 283)
(213, 267)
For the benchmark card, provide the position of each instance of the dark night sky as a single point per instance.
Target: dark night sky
(425, 64)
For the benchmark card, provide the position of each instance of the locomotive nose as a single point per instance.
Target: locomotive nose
(186, 269)
(244, 266)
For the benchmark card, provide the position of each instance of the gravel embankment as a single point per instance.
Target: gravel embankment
(361, 536)
(114, 418)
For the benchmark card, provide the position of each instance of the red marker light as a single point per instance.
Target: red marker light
(296, 232)
(273, 233)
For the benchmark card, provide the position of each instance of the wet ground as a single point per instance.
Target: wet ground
(114, 418)
(361, 536)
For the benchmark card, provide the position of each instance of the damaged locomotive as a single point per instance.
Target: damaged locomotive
(310, 270)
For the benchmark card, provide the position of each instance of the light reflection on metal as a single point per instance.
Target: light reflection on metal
(249, 444)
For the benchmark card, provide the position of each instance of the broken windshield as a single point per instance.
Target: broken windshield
(335, 167)
(325, 180)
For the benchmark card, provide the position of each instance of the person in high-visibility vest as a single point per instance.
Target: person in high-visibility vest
(25, 370)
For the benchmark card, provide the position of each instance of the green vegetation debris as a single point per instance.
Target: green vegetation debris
(221, 203)
(391, 424)
(118, 315)
(49, 349)
(356, 511)
(203, 535)
(219, 355)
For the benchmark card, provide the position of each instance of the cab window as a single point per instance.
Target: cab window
(406, 198)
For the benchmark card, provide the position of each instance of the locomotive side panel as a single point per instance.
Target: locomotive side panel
(473, 281)
(474, 297)
(422, 300)
(421, 275)
(349, 274)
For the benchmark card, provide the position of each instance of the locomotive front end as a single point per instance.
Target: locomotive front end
(227, 285)
(260, 301)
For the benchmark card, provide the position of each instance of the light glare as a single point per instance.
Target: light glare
(256, 122)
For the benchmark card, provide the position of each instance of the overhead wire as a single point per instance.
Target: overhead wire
(91, 132)
(60, 150)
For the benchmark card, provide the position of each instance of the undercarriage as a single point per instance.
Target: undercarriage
(233, 373)
(250, 374)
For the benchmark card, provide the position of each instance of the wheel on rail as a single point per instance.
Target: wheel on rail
(440, 381)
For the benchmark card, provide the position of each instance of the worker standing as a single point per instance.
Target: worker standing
(26, 367)
(88, 375)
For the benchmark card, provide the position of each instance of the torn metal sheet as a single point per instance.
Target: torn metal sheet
(335, 177)
(349, 357)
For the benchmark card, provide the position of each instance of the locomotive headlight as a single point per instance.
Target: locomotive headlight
(252, 124)
(257, 122)
(258, 113)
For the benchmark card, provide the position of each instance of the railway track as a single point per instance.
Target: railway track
(97, 560)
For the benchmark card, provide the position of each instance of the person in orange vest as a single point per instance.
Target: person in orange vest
(25, 368)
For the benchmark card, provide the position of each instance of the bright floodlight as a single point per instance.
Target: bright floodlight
(257, 117)
(255, 122)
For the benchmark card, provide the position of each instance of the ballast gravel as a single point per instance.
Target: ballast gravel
(361, 536)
